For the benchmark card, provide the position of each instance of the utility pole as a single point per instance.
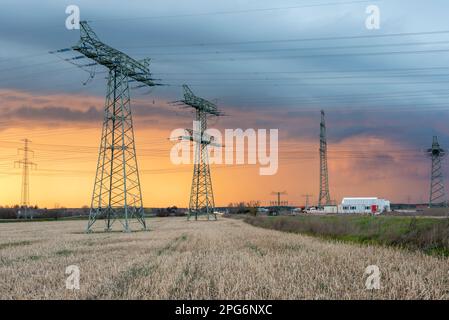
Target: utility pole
(117, 194)
(26, 165)
(409, 201)
(307, 196)
(437, 196)
(201, 194)
(324, 197)
(278, 195)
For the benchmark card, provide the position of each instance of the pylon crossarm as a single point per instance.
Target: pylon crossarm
(90, 46)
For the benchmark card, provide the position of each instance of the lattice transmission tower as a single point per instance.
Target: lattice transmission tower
(117, 194)
(201, 194)
(26, 166)
(307, 204)
(437, 193)
(324, 196)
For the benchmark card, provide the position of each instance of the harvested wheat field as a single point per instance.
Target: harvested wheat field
(226, 259)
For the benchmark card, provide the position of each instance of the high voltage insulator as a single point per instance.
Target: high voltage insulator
(437, 193)
(26, 165)
(324, 197)
(201, 195)
(117, 194)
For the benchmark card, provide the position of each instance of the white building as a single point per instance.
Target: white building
(330, 209)
(364, 205)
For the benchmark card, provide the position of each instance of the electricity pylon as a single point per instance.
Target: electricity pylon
(307, 196)
(324, 197)
(278, 194)
(437, 193)
(201, 194)
(117, 194)
(26, 165)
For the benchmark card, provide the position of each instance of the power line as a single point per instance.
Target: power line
(326, 38)
(248, 42)
(307, 71)
(235, 11)
(311, 56)
(215, 52)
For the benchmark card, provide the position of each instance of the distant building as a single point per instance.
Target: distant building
(371, 205)
(330, 209)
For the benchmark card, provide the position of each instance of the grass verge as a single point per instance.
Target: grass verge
(430, 235)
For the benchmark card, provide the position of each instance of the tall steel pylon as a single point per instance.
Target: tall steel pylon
(437, 193)
(117, 193)
(324, 197)
(26, 165)
(201, 193)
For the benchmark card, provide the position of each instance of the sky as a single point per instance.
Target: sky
(267, 65)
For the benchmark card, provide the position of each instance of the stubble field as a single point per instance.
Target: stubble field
(226, 259)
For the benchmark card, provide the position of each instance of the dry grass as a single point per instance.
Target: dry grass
(227, 259)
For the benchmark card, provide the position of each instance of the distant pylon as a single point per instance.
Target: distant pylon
(437, 193)
(201, 195)
(26, 165)
(278, 202)
(307, 196)
(324, 197)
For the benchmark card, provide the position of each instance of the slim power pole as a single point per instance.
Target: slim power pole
(437, 196)
(324, 197)
(26, 165)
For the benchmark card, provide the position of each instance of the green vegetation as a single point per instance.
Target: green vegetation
(256, 249)
(44, 219)
(14, 244)
(430, 235)
(172, 245)
(64, 252)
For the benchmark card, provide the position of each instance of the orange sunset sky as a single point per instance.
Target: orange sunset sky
(66, 153)
(384, 92)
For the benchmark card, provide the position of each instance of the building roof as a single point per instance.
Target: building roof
(360, 198)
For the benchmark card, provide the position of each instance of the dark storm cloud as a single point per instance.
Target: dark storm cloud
(244, 77)
(50, 114)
